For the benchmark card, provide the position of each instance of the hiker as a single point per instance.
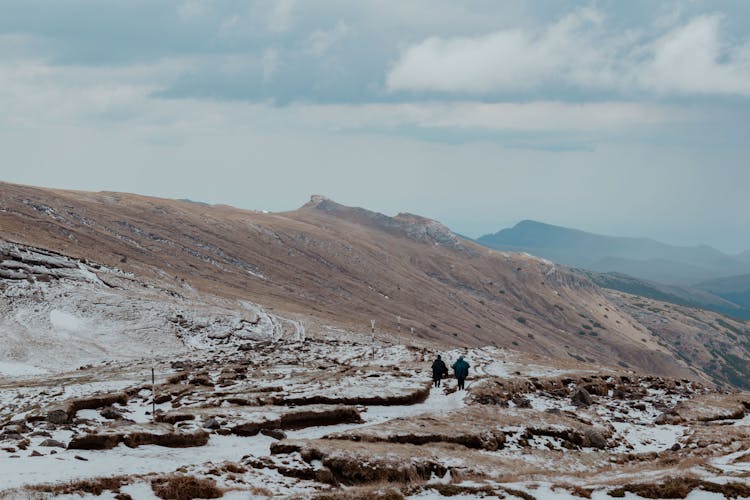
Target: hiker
(439, 370)
(460, 370)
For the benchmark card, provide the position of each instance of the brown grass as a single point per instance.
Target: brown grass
(134, 439)
(681, 488)
(95, 486)
(179, 487)
(372, 493)
(417, 396)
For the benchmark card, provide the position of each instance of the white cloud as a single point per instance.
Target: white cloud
(503, 60)
(321, 41)
(35, 94)
(577, 51)
(691, 59)
(270, 62)
(280, 15)
(191, 9)
(229, 25)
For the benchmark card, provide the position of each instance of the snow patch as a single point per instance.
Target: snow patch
(65, 321)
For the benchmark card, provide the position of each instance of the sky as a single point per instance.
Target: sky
(617, 117)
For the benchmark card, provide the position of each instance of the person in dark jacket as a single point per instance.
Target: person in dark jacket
(461, 370)
(439, 370)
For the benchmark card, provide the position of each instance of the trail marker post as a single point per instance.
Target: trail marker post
(153, 395)
(372, 338)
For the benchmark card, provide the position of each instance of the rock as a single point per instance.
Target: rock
(35, 454)
(52, 443)
(676, 447)
(57, 416)
(521, 401)
(78, 457)
(41, 434)
(274, 433)
(582, 397)
(212, 424)
(15, 429)
(619, 394)
(111, 413)
(640, 406)
(667, 418)
(162, 398)
(595, 439)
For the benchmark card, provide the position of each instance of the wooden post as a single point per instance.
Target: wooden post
(372, 339)
(153, 395)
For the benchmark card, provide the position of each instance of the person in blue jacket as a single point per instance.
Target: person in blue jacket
(461, 370)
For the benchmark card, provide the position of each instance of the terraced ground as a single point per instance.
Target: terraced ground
(322, 418)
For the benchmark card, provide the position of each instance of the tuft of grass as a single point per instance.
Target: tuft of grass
(681, 488)
(179, 487)
(94, 486)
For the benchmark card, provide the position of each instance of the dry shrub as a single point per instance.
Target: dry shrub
(681, 487)
(519, 493)
(178, 487)
(95, 486)
(135, 439)
(362, 494)
(580, 492)
(234, 468)
(449, 490)
(170, 440)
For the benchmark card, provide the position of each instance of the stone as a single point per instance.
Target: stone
(274, 433)
(212, 424)
(52, 443)
(595, 439)
(582, 397)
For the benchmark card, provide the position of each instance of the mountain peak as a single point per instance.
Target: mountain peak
(415, 227)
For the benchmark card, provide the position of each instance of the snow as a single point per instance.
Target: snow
(648, 438)
(63, 466)
(15, 369)
(62, 320)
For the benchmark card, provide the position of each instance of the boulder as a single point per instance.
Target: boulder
(582, 397)
(52, 443)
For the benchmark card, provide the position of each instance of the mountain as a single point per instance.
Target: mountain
(733, 288)
(230, 351)
(638, 257)
(680, 295)
(327, 267)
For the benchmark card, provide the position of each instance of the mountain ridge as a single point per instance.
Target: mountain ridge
(643, 258)
(333, 266)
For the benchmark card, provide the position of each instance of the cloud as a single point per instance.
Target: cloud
(280, 15)
(270, 61)
(692, 59)
(321, 41)
(191, 9)
(503, 60)
(577, 51)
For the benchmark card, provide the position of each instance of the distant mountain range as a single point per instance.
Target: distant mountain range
(697, 275)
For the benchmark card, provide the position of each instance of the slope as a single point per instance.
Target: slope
(336, 266)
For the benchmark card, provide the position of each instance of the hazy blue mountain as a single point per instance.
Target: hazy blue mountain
(681, 295)
(642, 258)
(733, 288)
(744, 256)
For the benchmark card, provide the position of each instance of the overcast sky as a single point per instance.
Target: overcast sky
(620, 117)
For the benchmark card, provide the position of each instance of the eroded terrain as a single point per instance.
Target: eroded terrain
(321, 417)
